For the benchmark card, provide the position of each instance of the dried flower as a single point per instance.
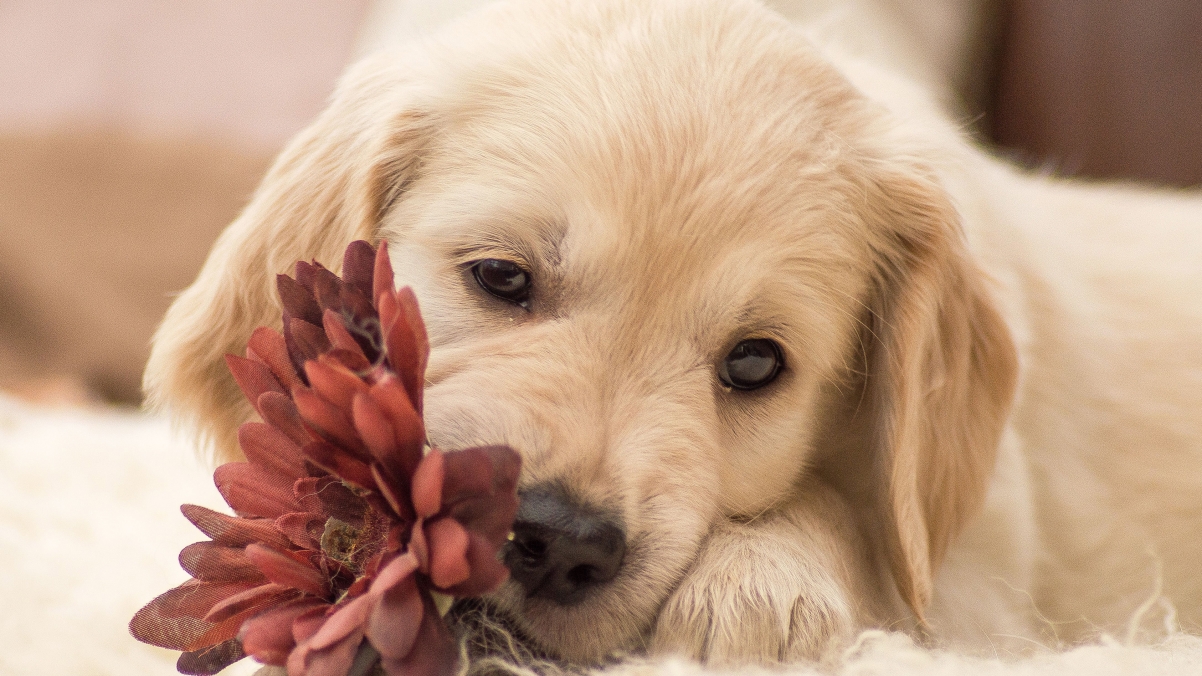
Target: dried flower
(345, 523)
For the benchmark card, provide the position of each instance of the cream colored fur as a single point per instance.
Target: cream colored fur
(90, 528)
(989, 428)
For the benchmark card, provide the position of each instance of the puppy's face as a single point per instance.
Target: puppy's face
(643, 282)
(665, 252)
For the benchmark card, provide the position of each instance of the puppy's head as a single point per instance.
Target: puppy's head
(667, 254)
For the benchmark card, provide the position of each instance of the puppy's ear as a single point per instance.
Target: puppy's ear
(328, 187)
(941, 376)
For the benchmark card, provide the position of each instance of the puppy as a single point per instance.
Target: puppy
(785, 356)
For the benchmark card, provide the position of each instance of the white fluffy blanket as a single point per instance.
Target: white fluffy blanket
(90, 527)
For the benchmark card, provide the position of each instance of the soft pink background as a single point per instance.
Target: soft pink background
(252, 69)
(131, 133)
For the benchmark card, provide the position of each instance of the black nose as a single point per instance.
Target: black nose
(561, 549)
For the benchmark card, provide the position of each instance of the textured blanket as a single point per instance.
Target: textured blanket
(90, 527)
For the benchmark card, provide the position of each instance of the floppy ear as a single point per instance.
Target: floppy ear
(328, 187)
(941, 376)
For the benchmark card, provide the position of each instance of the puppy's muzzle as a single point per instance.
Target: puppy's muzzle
(561, 550)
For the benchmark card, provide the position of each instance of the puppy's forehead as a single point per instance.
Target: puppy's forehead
(648, 99)
(685, 160)
(662, 153)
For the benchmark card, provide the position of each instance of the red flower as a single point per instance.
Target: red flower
(345, 523)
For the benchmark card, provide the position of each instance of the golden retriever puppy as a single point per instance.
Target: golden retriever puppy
(785, 356)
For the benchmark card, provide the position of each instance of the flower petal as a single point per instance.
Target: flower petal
(396, 619)
(270, 348)
(254, 491)
(233, 531)
(307, 661)
(480, 470)
(212, 562)
(297, 300)
(419, 547)
(382, 276)
(374, 428)
(490, 516)
(220, 632)
(358, 266)
(488, 573)
(339, 463)
(345, 621)
(357, 362)
(328, 420)
(427, 485)
(389, 311)
(259, 597)
(307, 623)
(407, 301)
(327, 495)
(448, 552)
(433, 651)
(392, 574)
(270, 448)
(174, 634)
(335, 660)
(333, 382)
(407, 344)
(409, 433)
(480, 489)
(305, 273)
(210, 660)
(253, 378)
(388, 490)
(287, 570)
(327, 288)
(197, 600)
(268, 636)
(173, 619)
(303, 529)
(305, 341)
(340, 337)
(358, 307)
(279, 411)
(296, 661)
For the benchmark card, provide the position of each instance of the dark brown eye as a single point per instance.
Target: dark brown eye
(503, 279)
(752, 363)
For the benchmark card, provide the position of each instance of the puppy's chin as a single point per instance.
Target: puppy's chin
(490, 634)
(587, 633)
(611, 621)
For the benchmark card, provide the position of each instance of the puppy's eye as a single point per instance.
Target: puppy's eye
(503, 279)
(752, 363)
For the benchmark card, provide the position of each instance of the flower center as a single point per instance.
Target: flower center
(340, 541)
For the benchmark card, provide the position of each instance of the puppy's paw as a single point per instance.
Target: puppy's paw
(775, 589)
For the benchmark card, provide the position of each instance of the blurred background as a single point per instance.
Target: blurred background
(133, 131)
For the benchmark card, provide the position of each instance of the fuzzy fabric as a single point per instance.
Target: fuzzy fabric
(879, 653)
(89, 532)
(90, 528)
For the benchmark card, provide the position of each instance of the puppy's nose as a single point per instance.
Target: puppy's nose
(560, 549)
